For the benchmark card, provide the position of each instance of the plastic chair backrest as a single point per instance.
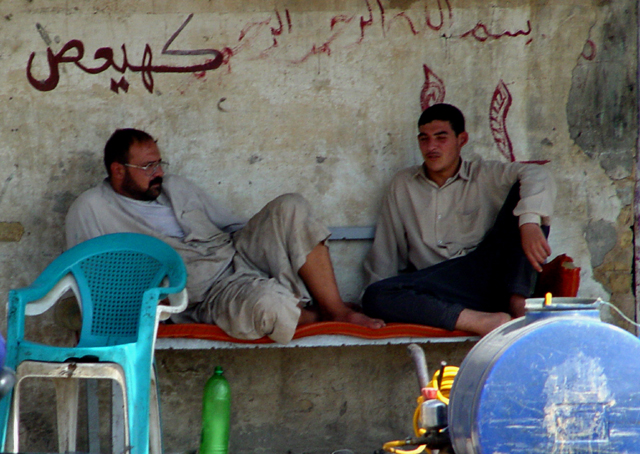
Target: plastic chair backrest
(115, 286)
(118, 278)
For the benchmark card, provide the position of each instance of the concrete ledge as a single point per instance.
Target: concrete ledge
(323, 340)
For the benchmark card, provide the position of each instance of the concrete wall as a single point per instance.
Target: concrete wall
(255, 98)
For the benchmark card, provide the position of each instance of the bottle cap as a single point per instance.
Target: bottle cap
(218, 370)
(429, 393)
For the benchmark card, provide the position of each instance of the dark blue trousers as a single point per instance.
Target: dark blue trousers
(482, 280)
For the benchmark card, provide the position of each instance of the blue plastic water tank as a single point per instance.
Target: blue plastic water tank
(3, 350)
(558, 381)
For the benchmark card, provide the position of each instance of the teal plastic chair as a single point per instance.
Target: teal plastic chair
(118, 279)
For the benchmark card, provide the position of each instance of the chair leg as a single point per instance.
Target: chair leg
(93, 415)
(155, 424)
(67, 412)
(138, 395)
(119, 425)
(12, 442)
(5, 409)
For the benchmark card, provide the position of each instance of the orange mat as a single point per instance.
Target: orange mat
(392, 330)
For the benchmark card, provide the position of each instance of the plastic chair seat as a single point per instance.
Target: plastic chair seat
(118, 280)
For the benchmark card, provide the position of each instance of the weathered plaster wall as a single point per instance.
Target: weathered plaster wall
(319, 97)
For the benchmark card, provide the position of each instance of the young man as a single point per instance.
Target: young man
(458, 242)
(251, 278)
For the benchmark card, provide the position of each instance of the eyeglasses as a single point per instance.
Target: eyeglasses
(151, 168)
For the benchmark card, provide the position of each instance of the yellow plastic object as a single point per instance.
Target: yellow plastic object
(547, 299)
(392, 446)
(449, 374)
(445, 384)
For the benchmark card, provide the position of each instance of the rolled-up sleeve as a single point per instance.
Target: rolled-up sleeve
(537, 194)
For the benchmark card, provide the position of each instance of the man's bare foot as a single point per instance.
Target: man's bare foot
(516, 306)
(481, 323)
(358, 318)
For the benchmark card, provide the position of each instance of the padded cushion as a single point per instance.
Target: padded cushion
(392, 330)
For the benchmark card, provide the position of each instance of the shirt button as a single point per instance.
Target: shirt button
(439, 216)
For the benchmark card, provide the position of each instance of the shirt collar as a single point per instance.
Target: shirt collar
(463, 172)
(465, 169)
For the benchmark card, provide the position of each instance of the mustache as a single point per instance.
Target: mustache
(156, 180)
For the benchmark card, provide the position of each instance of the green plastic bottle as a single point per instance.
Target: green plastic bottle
(216, 412)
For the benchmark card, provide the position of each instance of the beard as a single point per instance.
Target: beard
(135, 191)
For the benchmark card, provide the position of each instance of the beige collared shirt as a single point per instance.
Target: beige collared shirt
(422, 224)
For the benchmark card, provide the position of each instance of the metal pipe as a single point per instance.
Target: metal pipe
(417, 354)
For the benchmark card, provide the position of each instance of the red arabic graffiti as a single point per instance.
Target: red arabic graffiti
(403, 15)
(436, 16)
(381, 16)
(364, 23)
(443, 7)
(325, 48)
(73, 52)
(433, 90)
(441, 13)
(481, 33)
(498, 111)
(592, 51)
(378, 16)
(275, 32)
(252, 31)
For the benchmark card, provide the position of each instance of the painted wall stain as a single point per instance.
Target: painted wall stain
(43, 34)
(7, 180)
(219, 105)
(603, 122)
(11, 232)
(601, 238)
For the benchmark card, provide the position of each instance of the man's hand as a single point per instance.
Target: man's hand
(534, 245)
